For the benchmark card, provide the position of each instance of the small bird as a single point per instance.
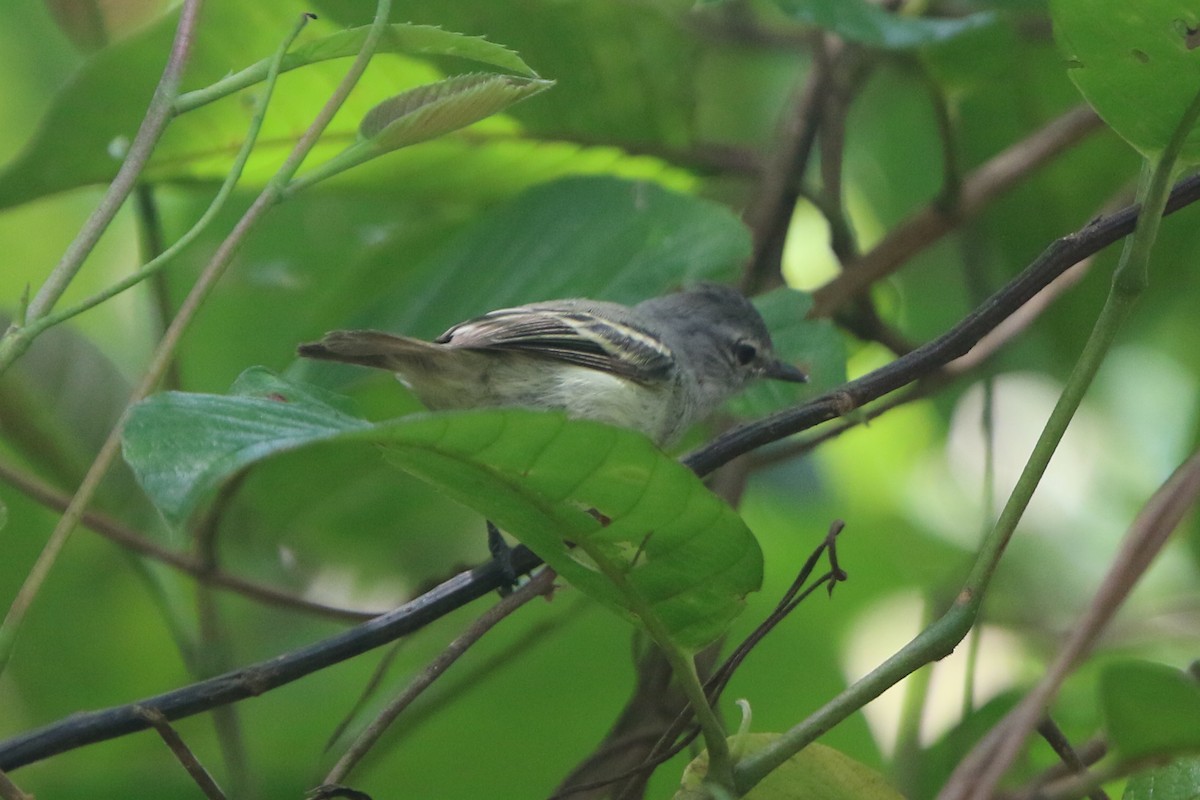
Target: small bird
(656, 367)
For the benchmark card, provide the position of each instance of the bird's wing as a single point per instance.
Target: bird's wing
(573, 335)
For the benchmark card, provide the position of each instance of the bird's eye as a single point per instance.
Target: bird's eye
(745, 353)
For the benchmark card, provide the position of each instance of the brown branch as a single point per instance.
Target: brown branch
(934, 221)
(10, 791)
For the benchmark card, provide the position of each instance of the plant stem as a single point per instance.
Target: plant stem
(683, 666)
(158, 114)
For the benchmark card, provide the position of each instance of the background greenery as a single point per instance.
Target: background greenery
(690, 100)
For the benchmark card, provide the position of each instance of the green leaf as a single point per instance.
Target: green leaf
(1137, 64)
(437, 108)
(1151, 709)
(681, 551)
(815, 773)
(81, 137)
(597, 237)
(425, 113)
(867, 23)
(1179, 780)
(423, 40)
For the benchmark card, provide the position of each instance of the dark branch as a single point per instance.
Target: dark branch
(96, 726)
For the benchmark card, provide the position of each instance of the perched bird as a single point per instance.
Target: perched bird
(656, 367)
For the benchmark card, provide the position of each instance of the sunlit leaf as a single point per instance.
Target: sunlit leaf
(424, 40)
(428, 111)
(82, 136)
(815, 773)
(1151, 709)
(679, 549)
(1137, 64)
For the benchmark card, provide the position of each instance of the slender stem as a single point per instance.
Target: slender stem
(156, 264)
(187, 759)
(159, 363)
(542, 584)
(153, 124)
(683, 666)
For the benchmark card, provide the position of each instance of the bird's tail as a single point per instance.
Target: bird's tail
(373, 349)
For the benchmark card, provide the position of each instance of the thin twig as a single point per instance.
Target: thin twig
(10, 791)
(1061, 745)
(770, 211)
(213, 652)
(542, 584)
(183, 753)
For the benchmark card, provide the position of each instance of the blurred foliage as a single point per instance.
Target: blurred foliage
(658, 99)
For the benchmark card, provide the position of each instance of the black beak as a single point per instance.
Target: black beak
(782, 371)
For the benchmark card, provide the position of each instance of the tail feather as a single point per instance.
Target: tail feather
(371, 349)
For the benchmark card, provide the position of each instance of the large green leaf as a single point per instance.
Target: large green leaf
(1136, 63)
(598, 237)
(1151, 709)
(677, 548)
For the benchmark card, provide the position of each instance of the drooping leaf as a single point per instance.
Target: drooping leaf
(428, 111)
(817, 772)
(679, 549)
(1137, 64)
(1151, 709)
(867, 23)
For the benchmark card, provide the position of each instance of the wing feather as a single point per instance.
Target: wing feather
(572, 334)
